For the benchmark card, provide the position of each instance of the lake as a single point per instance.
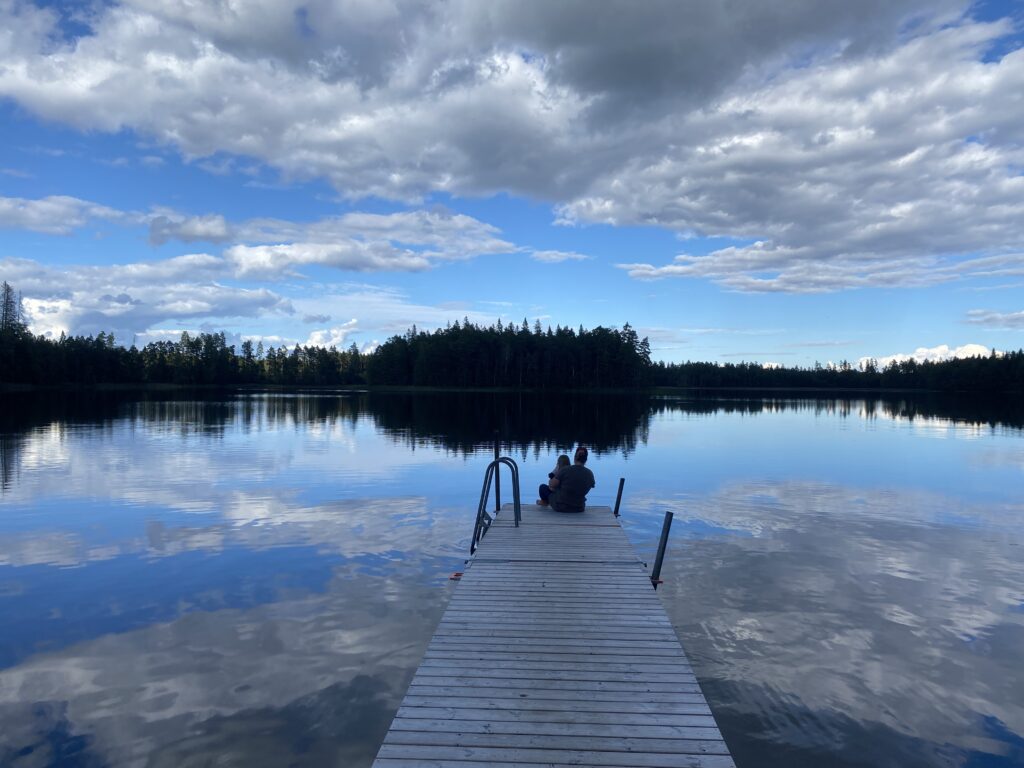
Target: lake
(251, 578)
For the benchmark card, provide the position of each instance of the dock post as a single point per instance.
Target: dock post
(618, 496)
(665, 528)
(497, 473)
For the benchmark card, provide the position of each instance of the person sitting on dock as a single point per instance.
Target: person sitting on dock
(571, 485)
(545, 488)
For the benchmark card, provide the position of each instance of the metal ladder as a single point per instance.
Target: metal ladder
(483, 519)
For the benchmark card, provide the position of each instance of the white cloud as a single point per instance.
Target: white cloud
(386, 310)
(552, 257)
(169, 225)
(932, 354)
(273, 260)
(332, 337)
(410, 241)
(130, 299)
(54, 215)
(364, 242)
(406, 241)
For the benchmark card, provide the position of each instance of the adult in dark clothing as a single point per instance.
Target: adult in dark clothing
(571, 485)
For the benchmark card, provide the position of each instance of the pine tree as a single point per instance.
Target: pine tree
(10, 310)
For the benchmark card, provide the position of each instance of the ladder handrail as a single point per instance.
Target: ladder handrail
(484, 520)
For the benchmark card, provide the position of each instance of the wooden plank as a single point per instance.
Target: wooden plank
(564, 610)
(571, 757)
(525, 663)
(593, 617)
(392, 762)
(590, 625)
(572, 694)
(689, 704)
(708, 731)
(552, 741)
(634, 579)
(555, 632)
(560, 674)
(618, 601)
(499, 685)
(614, 635)
(577, 645)
(531, 622)
(460, 714)
(605, 660)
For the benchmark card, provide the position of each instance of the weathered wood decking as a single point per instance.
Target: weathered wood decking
(554, 651)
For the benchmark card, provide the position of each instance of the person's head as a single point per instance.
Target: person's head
(563, 461)
(581, 455)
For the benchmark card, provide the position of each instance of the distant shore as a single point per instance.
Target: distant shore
(413, 389)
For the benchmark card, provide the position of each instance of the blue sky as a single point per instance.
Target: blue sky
(787, 182)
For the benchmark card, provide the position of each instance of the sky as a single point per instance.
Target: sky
(782, 181)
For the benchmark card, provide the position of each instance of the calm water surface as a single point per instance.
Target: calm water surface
(251, 579)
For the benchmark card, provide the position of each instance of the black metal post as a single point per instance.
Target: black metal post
(497, 473)
(665, 528)
(618, 496)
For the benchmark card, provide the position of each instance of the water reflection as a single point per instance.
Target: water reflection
(312, 679)
(848, 629)
(253, 577)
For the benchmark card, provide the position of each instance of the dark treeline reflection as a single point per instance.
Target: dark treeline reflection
(457, 421)
(976, 411)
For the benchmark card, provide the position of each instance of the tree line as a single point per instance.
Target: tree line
(994, 373)
(463, 354)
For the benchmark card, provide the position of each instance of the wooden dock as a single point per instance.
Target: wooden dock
(554, 651)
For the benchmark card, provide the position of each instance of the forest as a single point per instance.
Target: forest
(507, 356)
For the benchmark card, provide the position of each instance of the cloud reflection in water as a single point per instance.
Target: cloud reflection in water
(850, 629)
(255, 577)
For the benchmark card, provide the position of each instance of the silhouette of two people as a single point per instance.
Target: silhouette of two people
(569, 484)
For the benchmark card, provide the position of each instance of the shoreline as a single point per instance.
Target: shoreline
(412, 389)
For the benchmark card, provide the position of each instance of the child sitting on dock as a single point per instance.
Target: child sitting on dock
(545, 488)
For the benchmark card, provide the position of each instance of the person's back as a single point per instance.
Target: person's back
(574, 483)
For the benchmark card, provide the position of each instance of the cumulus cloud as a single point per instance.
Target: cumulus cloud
(130, 299)
(932, 354)
(316, 319)
(332, 337)
(992, 319)
(881, 159)
(168, 225)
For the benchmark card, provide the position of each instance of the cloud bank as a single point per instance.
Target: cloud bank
(841, 146)
(931, 354)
